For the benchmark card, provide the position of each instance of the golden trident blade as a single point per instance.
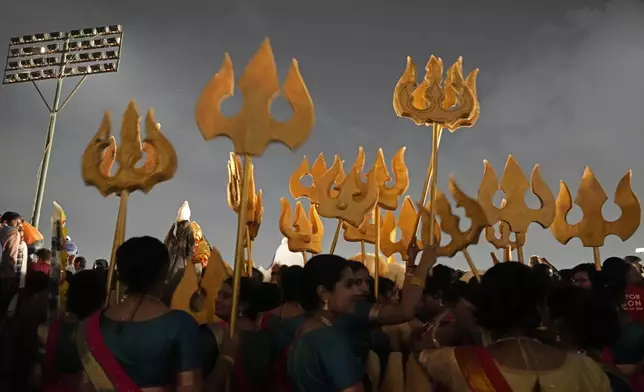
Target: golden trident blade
(405, 223)
(255, 208)
(451, 104)
(354, 200)
(315, 171)
(504, 239)
(254, 128)
(514, 211)
(102, 153)
(593, 228)
(303, 234)
(365, 234)
(459, 240)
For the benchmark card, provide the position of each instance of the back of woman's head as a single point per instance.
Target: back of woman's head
(461, 290)
(142, 262)
(256, 297)
(509, 298)
(439, 280)
(291, 283)
(613, 280)
(322, 270)
(86, 293)
(590, 321)
(386, 287)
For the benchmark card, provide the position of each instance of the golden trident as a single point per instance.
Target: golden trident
(593, 228)
(514, 210)
(303, 234)
(504, 239)
(255, 208)
(254, 128)
(101, 154)
(459, 240)
(451, 104)
(352, 200)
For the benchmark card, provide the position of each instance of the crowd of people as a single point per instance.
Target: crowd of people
(321, 328)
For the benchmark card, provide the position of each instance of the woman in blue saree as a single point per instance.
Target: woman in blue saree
(250, 364)
(321, 358)
(284, 321)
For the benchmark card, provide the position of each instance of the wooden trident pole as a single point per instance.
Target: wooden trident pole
(450, 104)
(101, 154)
(253, 128)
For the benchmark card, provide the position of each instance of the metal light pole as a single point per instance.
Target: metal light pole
(56, 56)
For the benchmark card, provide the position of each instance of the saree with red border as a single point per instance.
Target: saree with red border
(102, 369)
(479, 370)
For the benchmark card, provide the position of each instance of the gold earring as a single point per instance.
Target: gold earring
(326, 305)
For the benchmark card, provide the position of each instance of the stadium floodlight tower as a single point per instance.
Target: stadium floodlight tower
(56, 56)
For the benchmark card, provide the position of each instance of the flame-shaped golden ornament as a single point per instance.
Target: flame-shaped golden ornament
(354, 200)
(304, 233)
(452, 104)
(503, 240)
(449, 223)
(96, 166)
(255, 208)
(387, 195)
(365, 234)
(593, 228)
(515, 211)
(254, 128)
(405, 223)
(315, 171)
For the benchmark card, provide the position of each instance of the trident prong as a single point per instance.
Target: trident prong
(253, 128)
(254, 206)
(315, 171)
(504, 237)
(404, 223)
(303, 234)
(449, 222)
(388, 195)
(593, 228)
(365, 233)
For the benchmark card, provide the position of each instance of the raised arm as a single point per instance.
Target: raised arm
(412, 292)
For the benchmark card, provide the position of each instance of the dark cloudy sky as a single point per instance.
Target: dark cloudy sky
(560, 84)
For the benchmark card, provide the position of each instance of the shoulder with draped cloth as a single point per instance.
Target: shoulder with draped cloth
(112, 352)
(472, 368)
